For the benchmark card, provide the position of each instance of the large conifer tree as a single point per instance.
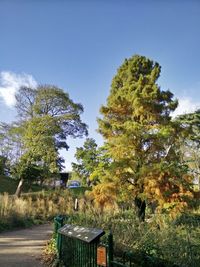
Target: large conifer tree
(141, 137)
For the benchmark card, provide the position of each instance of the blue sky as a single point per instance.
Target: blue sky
(79, 44)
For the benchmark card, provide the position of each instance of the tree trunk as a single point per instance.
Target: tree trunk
(88, 182)
(19, 188)
(140, 208)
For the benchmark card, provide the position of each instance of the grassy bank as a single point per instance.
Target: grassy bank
(34, 207)
(9, 185)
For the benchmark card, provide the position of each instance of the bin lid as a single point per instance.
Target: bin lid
(79, 232)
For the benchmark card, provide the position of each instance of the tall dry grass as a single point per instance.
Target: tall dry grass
(32, 208)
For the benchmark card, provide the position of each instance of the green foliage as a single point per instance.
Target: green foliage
(29, 172)
(191, 122)
(92, 161)
(191, 143)
(39, 143)
(87, 160)
(10, 143)
(54, 102)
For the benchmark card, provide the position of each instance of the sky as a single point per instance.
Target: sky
(78, 46)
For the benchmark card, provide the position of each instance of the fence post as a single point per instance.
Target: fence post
(110, 249)
(59, 221)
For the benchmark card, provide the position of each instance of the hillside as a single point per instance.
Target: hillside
(9, 185)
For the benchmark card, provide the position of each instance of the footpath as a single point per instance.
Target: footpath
(23, 248)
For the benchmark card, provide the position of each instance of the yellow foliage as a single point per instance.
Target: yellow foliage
(103, 195)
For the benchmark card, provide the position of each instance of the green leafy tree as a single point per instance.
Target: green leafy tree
(87, 160)
(191, 122)
(10, 143)
(103, 164)
(39, 150)
(141, 138)
(191, 143)
(47, 117)
(24, 170)
(91, 161)
(52, 101)
(14, 147)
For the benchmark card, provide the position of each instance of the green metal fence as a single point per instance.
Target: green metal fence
(58, 223)
(77, 253)
(126, 260)
(74, 252)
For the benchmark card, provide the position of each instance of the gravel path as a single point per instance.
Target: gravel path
(23, 248)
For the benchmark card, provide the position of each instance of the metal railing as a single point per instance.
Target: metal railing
(77, 253)
(58, 223)
(73, 252)
(125, 261)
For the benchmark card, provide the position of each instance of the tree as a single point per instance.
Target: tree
(191, 144)
(47, 117)
(91, 161)
(11, 143)
(87, 160)
(25, 170)
(141, 138)
(53, 101)
(25, 99)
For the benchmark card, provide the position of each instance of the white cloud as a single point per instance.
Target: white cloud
(11, 82)
(186, 105)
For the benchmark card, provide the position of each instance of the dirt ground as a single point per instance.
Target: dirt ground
(23, 248)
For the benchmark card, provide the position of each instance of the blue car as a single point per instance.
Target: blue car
(74, 184)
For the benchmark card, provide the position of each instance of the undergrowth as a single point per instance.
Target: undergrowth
(160, 241)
